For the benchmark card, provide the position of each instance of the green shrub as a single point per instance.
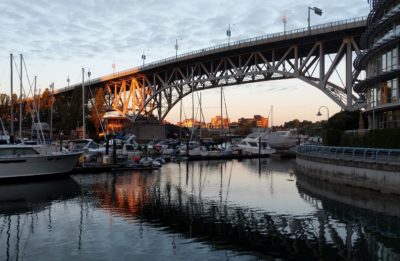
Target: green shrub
(332, 137)
(379, 138)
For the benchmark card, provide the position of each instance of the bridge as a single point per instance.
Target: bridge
(313, 55)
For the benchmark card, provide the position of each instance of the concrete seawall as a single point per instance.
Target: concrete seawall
(381, 177)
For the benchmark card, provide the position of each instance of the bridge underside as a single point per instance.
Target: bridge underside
(156, 92)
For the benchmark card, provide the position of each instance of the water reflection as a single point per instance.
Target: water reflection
(195, 201)
(20, 205)
(371, 220)
(202, 210)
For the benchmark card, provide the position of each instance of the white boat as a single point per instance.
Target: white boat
(284, 139)
(251, 144)
(25, 160)
(90, 149)
(195, 149)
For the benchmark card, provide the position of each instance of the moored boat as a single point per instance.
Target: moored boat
(25, 161)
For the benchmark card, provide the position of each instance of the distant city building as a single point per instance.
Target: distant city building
(256, 121)
(189, 123)
(216, 123)
(381, 62)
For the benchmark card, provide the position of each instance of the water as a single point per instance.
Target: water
(215, 210)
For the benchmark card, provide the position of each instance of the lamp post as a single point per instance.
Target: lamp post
(317, 11)
(320, 114)
(229, 33)
(143, 57)
(68, 80)
(177, 47)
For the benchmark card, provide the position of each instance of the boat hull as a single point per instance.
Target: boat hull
(37, 165)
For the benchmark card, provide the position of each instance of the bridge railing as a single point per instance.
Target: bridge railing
(235, 44)
(371, 155)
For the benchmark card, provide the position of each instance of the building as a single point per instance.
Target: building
(189, 123)
(261, 122)
(380, 59)
(256, 122)
(216, 123)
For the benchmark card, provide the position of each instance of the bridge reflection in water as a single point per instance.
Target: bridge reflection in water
(196, 201)
(202, 210)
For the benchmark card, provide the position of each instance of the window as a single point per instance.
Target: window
(395, 91)
(389, 88)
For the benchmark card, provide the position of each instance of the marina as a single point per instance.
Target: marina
(215, 151)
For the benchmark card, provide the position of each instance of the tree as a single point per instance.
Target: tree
(98, 109)
(4, 106)
(344, 120)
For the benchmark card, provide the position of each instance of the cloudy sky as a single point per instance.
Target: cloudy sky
(59, 37)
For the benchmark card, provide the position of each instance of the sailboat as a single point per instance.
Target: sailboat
(21, 160)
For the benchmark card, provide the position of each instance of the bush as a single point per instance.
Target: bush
(379, 138)
(332, 137)
(384, 138)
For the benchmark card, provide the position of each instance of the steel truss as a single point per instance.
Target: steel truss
(156, 92)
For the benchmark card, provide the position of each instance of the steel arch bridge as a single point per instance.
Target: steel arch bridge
(312, 56)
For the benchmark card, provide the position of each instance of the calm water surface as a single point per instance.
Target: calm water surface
(218, 210)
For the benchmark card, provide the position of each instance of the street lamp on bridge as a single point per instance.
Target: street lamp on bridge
(317, 11)
(229, 33)
(177, 47)
(327, 111)
(144, 55)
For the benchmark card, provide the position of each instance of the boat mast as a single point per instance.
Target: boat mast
(51, 110)
(180, 121)
(11, 96)
(193, 121)
(20, 99)
(222, 119)
(83, 104)
(272, 116)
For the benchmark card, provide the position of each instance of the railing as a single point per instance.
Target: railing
(368, 155)
(232, 45)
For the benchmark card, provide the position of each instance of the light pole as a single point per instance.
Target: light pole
(320, 114)
(229, 33)
(177, 47)
(68, 80)
(317, 11)
(144, 55)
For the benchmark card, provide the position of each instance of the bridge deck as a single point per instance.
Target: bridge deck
(353, 26)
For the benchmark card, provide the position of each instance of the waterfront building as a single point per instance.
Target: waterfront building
(380, 60)
(256, 122)
(216, 122)
(189, 123)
